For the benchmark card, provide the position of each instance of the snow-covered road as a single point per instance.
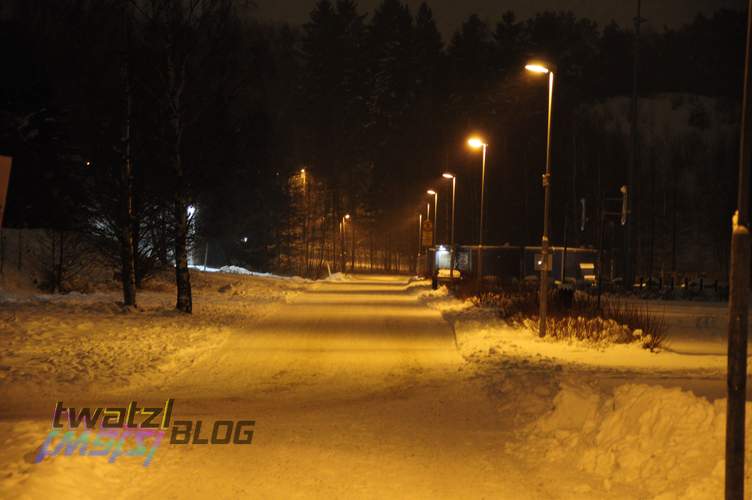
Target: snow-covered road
(359, 335)
(358, 389)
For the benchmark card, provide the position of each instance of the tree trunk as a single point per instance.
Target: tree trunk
(59, 267)
(127, 253)
(180, 210)
(182, 275)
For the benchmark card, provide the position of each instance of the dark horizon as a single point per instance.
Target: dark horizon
(449, 14)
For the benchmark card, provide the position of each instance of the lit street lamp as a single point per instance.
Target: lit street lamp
(477, 143)
(420, 232)
(435, 211)
(305, 220)
(454, 192)
(420, 242)
(342, 228)
(543, 69)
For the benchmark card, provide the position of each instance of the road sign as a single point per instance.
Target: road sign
(5, 162)
(427, 235)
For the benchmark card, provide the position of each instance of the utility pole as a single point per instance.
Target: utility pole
(739, 299)
(634, 150)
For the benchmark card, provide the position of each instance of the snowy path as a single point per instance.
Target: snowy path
(357, 391)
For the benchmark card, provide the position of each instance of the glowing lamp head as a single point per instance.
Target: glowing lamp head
(302, 171)
(475, 143)
(536, 67)
(431, 192)
(448, 176)
(347, 217)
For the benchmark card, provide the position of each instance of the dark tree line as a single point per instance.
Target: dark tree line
(122, 114)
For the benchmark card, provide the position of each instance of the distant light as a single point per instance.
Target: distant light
(191, 210)
(448, 176)
(302, 171)
(537, 68)
(441, 249)
(347, 216)
(88, 163)
(431, 192)
(244, 239)
(476, 142)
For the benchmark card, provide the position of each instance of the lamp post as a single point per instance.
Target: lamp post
(305, 220)
(477, 143)
(420, 233)
(453, 178)
(342, 227)
(420, 242)
(543, 69)
(435, 211)
(736, 381)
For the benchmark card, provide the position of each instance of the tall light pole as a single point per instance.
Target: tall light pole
(477, 143)
(420, 232)
(543, 69)
(305, 219)
(420, 242)
(453, 178)
(435, 211)
(736, 381)
(342, 227)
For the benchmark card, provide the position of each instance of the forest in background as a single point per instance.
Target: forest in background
(125, 117)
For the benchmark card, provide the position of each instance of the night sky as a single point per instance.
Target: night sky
(450, 13)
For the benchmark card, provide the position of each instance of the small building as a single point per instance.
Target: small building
(509, 264)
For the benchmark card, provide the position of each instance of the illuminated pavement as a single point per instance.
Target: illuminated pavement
(357, 391)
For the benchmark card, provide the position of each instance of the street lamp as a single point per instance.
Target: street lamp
(420, 242)
(541, 68)
(305, 220)
(435, 195)
(453, 178)
(342, 227)
(478, 143)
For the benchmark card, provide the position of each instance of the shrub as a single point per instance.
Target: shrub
(580, 317)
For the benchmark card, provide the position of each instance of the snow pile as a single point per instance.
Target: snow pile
(336, 277)
(441, 300)
(245, 272)
(667, 441)
(235, 270)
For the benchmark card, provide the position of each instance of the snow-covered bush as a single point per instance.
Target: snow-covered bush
(580, 317)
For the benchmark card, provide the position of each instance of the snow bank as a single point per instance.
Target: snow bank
(336, 277)
(667, 442)
(441, 300)
(235, 270)
(245, 272)
(53, 344)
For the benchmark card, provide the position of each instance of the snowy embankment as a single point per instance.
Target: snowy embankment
(667, 442)
(79, 343)
(608, 420)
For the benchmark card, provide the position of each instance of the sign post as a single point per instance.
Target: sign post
(427, 238)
